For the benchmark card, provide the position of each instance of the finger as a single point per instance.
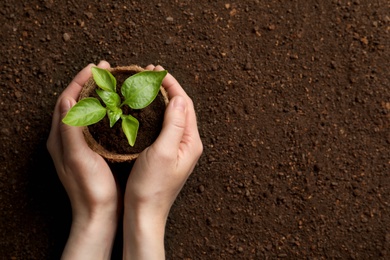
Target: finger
(168, 141)
(72, 137)
(171, 85)
(150, 67)
(70, 93)
(74, 88)
(73, 91)
(191, 142)
(104, 64)
(174, 88)
(54, 144)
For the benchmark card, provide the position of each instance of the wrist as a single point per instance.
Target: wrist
(142, 232)
(91, 238)
(94, 215)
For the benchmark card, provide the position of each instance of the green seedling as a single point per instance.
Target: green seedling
(138, 91)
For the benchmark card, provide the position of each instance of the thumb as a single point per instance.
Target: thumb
(173, 127)
(71, 136)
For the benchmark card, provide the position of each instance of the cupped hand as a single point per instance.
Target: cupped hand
(161, 170)
(159, 174)
(87, 178)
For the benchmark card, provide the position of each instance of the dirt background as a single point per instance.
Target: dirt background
(293, 104)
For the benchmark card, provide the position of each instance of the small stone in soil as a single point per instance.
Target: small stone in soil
(248, 66)
(169, 41)
(66, 37)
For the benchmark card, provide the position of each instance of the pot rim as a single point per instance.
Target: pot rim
(87, 89)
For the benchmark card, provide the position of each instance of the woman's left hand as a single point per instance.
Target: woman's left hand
(88, 180)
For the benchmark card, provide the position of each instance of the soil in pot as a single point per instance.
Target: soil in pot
(150, 123)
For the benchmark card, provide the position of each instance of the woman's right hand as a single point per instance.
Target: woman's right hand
(158, 175)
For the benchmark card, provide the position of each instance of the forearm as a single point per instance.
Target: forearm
(91, 239)
(143, 236)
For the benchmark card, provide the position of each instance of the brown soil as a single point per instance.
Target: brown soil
(150, 123)
(293, 103)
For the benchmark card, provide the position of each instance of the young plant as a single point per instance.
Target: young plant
(138, 91)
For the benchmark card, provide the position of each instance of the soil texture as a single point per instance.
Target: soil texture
(293, 106)
(150, 123)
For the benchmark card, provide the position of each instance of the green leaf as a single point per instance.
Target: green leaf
(87, 111)
(130, 127)
(142, 88)
(114, 115)
(104, 79)
(111, 99)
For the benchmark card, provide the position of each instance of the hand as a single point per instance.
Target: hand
(87, 179)
(158, 175)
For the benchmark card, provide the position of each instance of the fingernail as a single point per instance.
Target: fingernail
(103, 63)
(159, 67)
(179, 103)
(150, 67)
